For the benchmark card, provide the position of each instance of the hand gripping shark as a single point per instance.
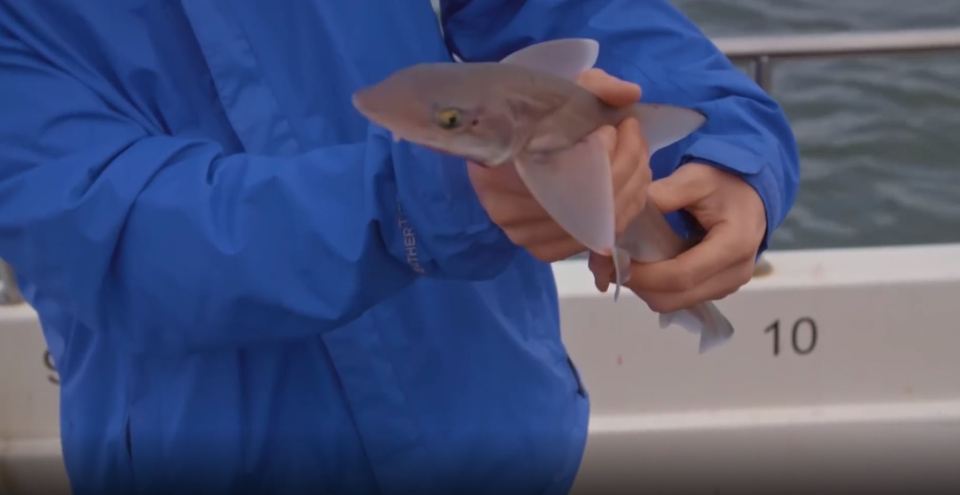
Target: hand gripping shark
(528, 110)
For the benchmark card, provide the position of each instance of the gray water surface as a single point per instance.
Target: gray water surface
(878, 135)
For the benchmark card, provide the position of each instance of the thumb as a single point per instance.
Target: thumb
(685, 186)
(612, 90)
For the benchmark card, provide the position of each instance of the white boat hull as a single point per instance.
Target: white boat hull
(843, 375)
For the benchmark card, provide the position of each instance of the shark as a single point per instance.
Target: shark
(527, 111)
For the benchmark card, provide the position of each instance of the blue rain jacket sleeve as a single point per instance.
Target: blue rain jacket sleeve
(650, 42)
(150, 233)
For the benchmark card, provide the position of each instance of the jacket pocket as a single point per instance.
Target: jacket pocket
(127, 440)
(581, 389)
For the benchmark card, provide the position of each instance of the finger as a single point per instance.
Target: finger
(629, 154)
(503, 178)
(603, 270)
(613, 91)
(687, 185)
(556, 251)
(631, 196)
(511, 210)
(717, 287)
(608, 135)
(630, 202)
(503, 195)
(722, 247)
(543, 231)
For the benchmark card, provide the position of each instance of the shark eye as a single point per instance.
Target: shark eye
(449, 118)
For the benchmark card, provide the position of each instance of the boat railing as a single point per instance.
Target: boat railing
(761, 53)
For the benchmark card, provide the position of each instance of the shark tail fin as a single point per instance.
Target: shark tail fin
(706, 319)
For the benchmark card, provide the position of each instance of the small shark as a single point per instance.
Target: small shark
(528, 111)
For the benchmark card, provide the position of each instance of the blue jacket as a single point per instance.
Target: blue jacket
(246, 287)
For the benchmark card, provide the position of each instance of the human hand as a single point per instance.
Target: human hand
(734, 217)
(512, 207)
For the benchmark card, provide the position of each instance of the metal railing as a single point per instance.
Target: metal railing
(761, 52)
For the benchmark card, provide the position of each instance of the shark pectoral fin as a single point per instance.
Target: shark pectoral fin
(664, 125)
(576, 188)
(565, 58)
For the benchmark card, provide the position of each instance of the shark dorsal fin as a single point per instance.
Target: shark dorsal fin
(566, 57)
(662, 125)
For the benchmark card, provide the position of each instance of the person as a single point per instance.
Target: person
(248, 288)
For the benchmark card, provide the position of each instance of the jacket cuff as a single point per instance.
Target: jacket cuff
(434, 222)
